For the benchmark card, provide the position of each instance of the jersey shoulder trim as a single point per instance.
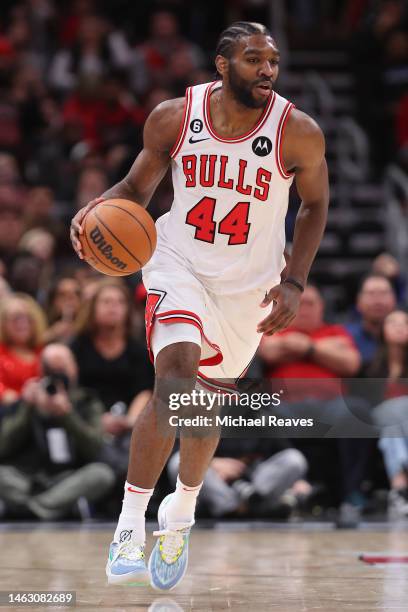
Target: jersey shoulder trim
(237, 139)
(279, 139)
(184, 124)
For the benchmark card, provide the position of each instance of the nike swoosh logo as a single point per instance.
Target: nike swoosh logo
(134, 490)
(191, 141)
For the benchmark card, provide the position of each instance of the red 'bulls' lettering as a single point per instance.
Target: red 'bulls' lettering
(205, 171)
(189, 168)
(225, 184)
(240, 186)
(263, 180)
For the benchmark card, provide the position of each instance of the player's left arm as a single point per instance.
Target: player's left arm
(303, 153)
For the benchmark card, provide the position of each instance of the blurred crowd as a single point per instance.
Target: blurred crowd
(77, 81)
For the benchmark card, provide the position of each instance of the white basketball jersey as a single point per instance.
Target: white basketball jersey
(227, 221)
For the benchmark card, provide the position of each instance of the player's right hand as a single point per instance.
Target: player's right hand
(286, 298)
(76, 225)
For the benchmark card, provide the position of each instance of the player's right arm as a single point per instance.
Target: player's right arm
(159, 137)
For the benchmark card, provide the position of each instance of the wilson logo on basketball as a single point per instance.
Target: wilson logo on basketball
(105, 248)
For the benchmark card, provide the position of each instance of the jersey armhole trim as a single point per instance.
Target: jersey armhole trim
(286, 174)
(184, 124)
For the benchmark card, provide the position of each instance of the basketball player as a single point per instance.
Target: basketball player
(234, 147)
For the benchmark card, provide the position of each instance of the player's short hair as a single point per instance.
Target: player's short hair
(229, 37)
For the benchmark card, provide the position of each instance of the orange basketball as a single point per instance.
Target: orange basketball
(119, 237)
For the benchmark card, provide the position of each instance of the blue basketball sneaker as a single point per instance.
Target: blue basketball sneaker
(127, 564)
(169, 558)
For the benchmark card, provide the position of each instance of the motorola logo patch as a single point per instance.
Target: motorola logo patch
(262, 146)
(196, 126)
(125, 535)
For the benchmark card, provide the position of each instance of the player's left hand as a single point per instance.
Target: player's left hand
(286, 298)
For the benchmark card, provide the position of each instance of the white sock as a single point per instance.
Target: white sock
(181, 506)
(131, 524)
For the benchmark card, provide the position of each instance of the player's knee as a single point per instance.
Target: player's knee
(176, 368)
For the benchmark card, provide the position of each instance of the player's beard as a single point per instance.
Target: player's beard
(242, 90)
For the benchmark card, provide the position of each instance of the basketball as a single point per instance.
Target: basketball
(119, 237)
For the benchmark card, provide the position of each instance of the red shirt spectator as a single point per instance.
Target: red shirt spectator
(307, 368)
(82, 112)
(22, 325)
(104, 115)
(311, 349)
(15, 369)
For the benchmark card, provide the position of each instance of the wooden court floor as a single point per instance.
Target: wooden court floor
(234, 569)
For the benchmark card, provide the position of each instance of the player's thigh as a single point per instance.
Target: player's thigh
(163, 335)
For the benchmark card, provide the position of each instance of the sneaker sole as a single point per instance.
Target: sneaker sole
(160, 519)
(130, 579)
(158, 588)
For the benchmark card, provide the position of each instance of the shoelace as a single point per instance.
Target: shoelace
(171, 543)
(131, 551)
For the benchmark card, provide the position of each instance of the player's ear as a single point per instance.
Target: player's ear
(221, 63)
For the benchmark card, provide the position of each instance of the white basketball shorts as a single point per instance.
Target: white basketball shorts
(180, 309)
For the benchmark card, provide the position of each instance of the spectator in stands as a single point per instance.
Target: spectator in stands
(26, 274)
(80, 112)
(151, 60)
(250, 477)
(40, 243)
(111, 361)
(11, 222)
(115, 365)
(370, 56)
(71, 19)
(92, 182)
(48, 439)
(11, 129)
(88, 279)
(308, 350)
(391, 366)
(39, 207)
(9, 172)
(375, 300)
(22, 326)
(387, 265)
(119, 120)
(95, 51)
(39, 16)
(21, 35)
(311, 348)
(63, 304)
(181, 67)
(28, 89)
